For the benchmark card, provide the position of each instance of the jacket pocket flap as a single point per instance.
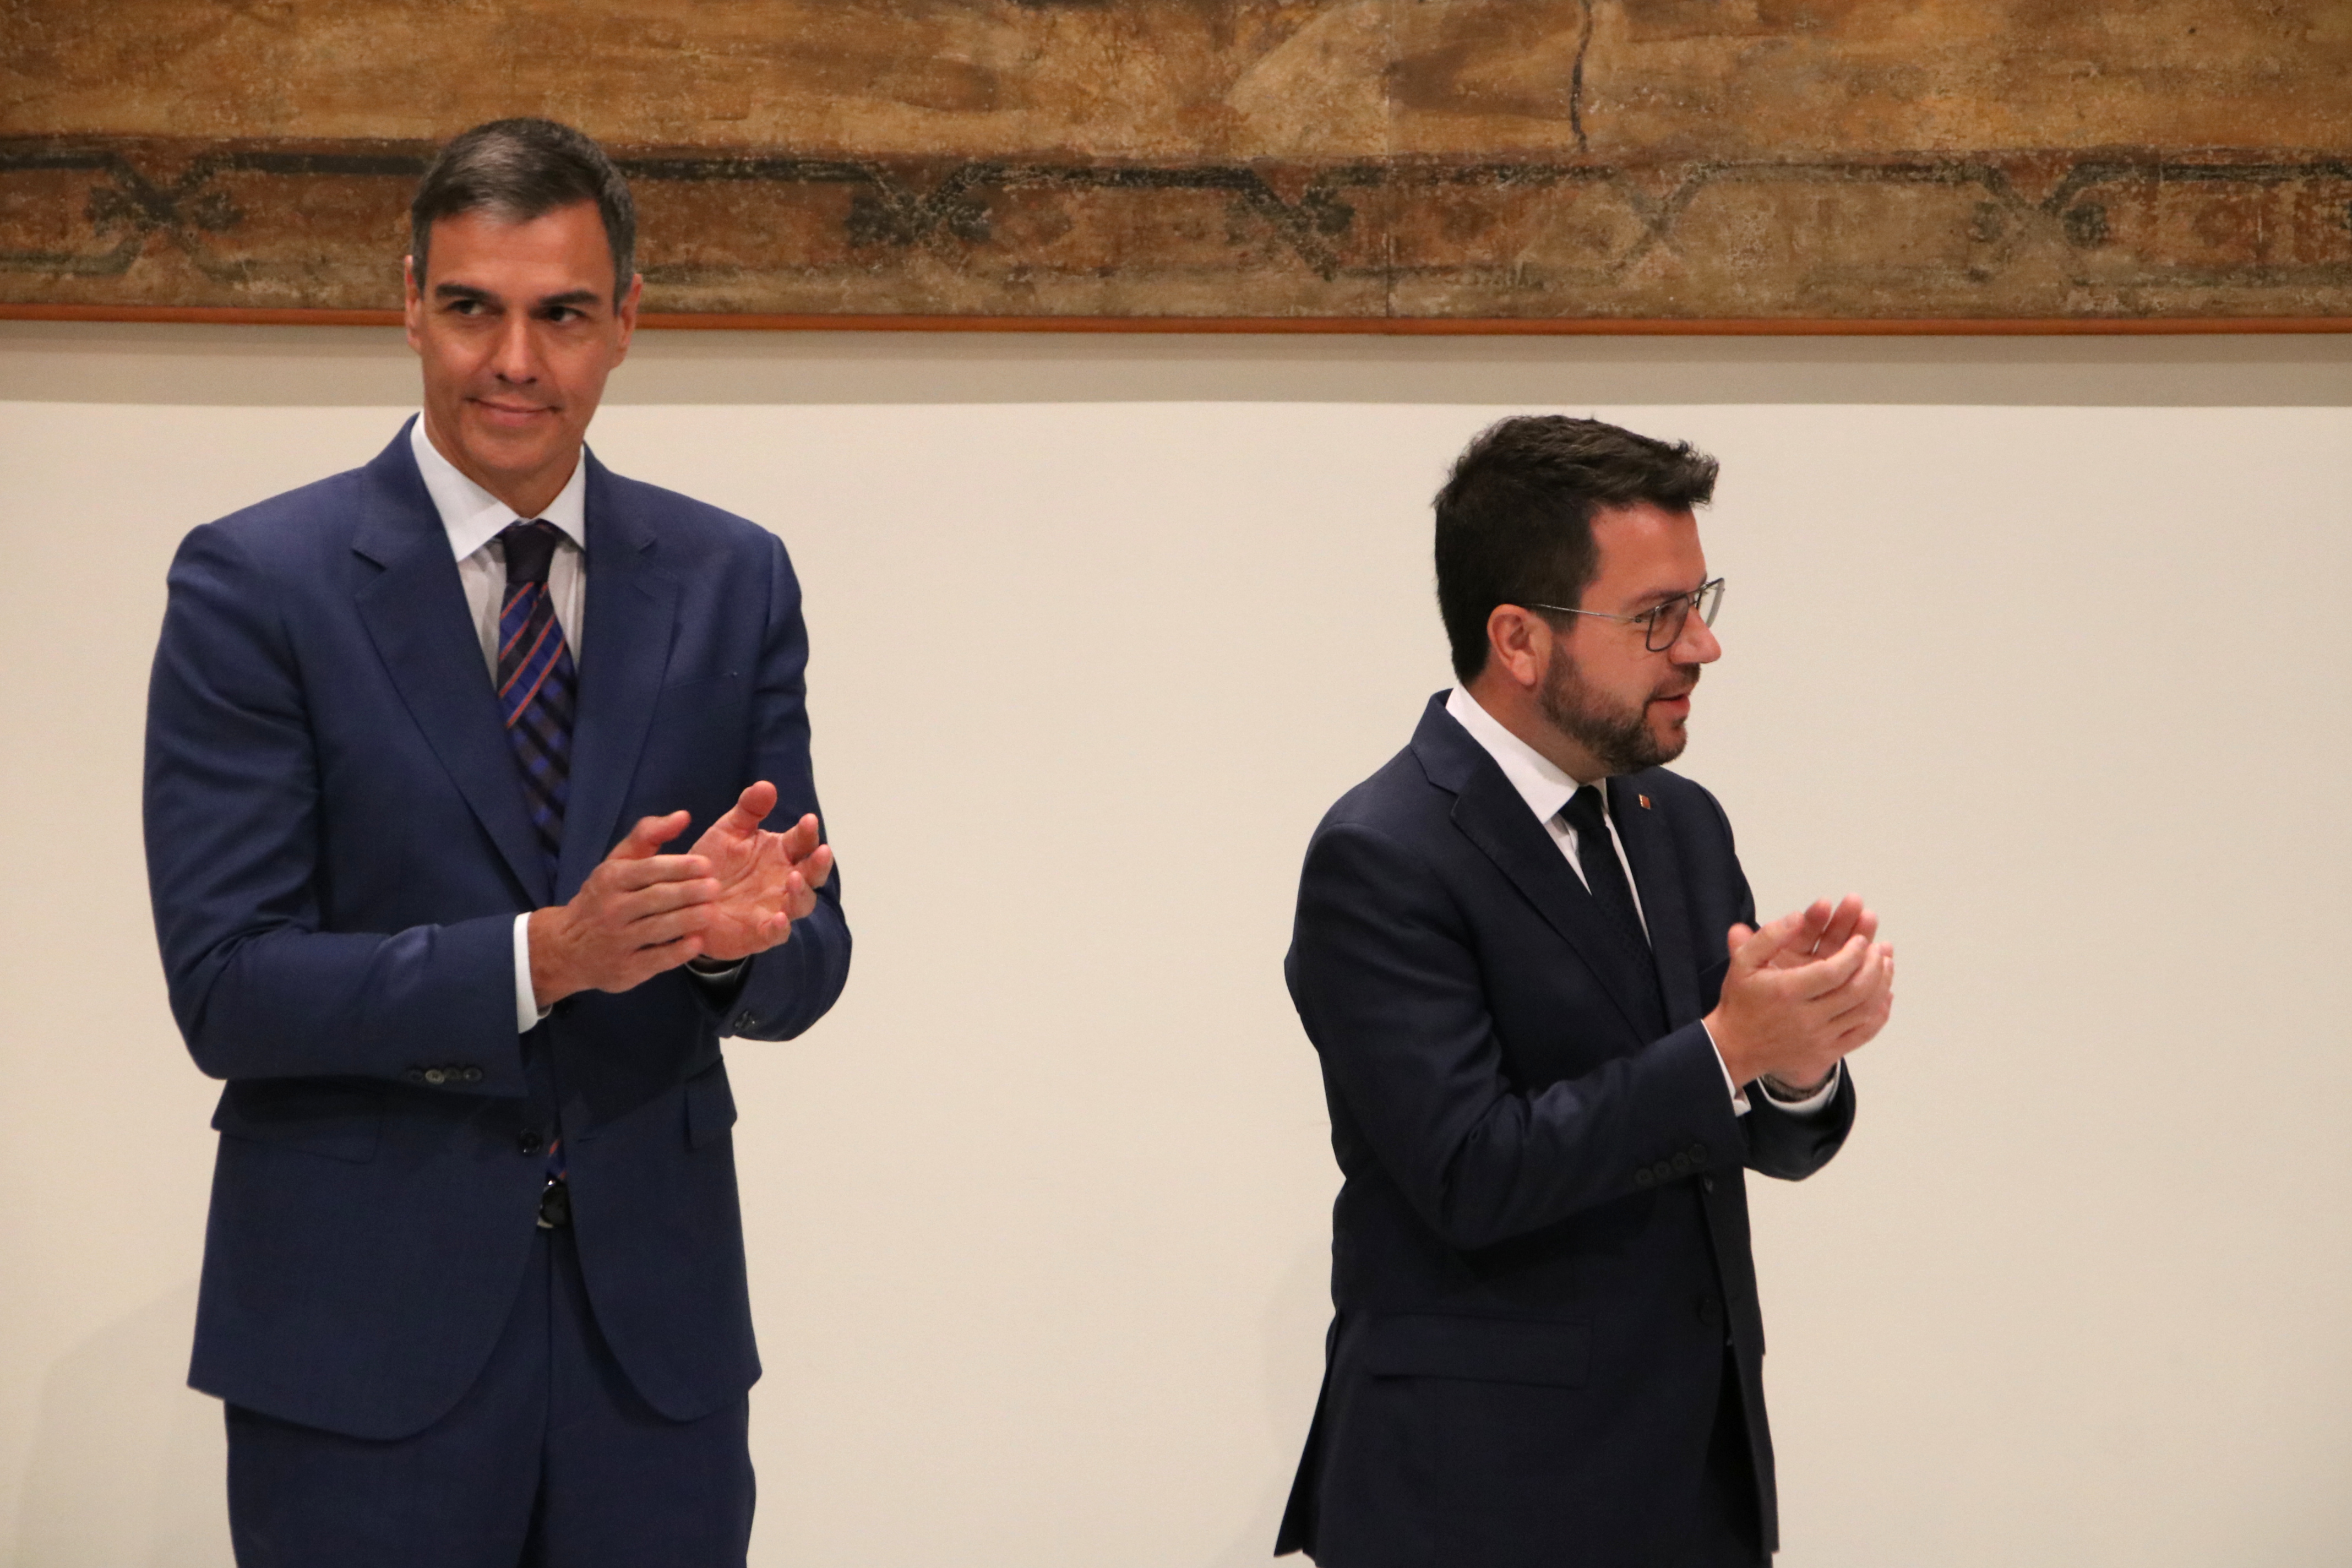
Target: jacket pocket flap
(1480, 1350)
(341, 1121)
(709, 1105)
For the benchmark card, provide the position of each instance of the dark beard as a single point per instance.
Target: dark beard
(1619, 738)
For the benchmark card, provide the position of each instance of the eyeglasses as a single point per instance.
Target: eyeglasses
(1662, 625)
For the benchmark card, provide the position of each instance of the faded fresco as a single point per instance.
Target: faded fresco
(1361, 159)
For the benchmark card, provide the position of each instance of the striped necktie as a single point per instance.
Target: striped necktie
(536, 680)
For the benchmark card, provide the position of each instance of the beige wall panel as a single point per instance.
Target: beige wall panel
(1037, 1216)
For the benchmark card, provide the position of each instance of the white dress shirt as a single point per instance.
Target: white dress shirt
(473, 518)
(1547, 788)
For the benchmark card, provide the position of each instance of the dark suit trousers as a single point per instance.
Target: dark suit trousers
(550, 1458)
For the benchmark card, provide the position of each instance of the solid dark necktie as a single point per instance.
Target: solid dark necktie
(536, 680)
(1596, 854)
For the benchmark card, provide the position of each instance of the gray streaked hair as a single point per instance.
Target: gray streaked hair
(519, 170)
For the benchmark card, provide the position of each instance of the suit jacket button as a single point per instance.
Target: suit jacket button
(1698, 1155)
(416, 1075)
(529, 1141)
(434, 1075)
(473, 1075)
(1682, 1164)
(1664, 1169)
(1646, 1178)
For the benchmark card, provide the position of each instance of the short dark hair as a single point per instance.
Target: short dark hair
(1514, 519)
(519, 170)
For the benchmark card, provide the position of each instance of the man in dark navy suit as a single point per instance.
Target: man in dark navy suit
(1552, 1041)
(417, 737)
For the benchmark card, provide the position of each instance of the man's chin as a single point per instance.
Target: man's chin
(507, 448)
(509, 458)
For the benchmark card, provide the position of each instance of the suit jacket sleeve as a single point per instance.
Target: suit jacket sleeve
(1779, 1143)
(1792, 1147)
(787, 988)
(233, 802)
(1387, 981)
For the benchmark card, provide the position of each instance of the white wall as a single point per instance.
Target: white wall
(2037, 644)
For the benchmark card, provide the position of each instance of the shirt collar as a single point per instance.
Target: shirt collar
(472, 516)
(1539, 781)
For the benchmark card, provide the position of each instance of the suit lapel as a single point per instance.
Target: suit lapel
(622, 659)
(1658, 874)
(414, 611)
(1490, 814)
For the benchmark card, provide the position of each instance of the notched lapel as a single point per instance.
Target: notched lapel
(414, 612)
(1491, 815)
(1658, 876)
(631, 609)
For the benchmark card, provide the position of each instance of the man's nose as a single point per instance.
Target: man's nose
(1697, 644)
(516, 357)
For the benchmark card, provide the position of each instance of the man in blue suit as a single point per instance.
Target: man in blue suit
(1552, 1040)
(417, 735)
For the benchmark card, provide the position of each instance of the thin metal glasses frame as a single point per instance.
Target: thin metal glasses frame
(1707, 599)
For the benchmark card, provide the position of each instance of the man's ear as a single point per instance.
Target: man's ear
(627, 315)
(1518, 644)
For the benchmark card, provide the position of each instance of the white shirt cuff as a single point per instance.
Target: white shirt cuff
(716, 976)
(1816, 1101)
(1812, 1102)
(1739, 1106)
(528, 1012)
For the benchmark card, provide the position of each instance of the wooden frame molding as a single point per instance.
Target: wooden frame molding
(1409, 327)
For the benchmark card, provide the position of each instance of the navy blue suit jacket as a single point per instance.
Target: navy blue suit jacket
(337, 849)
(1540, 1246)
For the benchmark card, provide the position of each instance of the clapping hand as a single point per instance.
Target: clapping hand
(1823, 928)
(765, 880)
(1801, 992)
